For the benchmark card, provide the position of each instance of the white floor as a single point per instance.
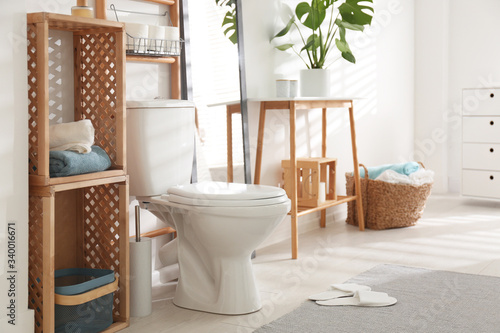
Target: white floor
(455, 234)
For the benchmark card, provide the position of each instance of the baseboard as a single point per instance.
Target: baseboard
(24, 322)
(307, 223)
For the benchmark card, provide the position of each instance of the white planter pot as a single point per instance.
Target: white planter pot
(315, 82)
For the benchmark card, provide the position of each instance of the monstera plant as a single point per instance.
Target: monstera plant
(322, 26)
(229, 22)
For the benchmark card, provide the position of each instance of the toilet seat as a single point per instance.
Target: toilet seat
(226, 191)
(224, 203)
(219, 194)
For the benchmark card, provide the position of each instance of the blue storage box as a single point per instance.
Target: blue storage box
(84, 299)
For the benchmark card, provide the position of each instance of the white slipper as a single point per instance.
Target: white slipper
(362, 298)
(339, 290)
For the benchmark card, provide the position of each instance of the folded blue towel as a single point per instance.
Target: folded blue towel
(69, 163)
(402, 168)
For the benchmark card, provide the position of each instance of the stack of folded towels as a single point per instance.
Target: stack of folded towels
(72, 151)
(402, 173)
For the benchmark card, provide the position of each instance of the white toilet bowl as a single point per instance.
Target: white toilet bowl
(218, 226)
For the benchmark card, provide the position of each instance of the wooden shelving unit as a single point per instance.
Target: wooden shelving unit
(78, 221)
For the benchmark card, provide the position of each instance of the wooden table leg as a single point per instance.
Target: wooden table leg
(323, 133)
(357, 184)
(293, 168)
(322, 222)
(260, 141)
(323, 154)
(229, 129)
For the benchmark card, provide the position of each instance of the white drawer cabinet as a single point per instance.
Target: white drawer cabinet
(481, 143)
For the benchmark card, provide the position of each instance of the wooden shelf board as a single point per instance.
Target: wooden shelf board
(48, 190)
(329, 203)
(162, 60)
(35, 180)
(74, 23)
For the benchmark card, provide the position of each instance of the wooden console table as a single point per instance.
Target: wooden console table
(303, 103)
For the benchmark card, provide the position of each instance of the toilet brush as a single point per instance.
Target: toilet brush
(140, 272)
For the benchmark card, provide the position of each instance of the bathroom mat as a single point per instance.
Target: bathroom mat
(428, 301)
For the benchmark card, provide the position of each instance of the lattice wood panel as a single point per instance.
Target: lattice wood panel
(101, 231)
(32, 97)
(35, 260)
(97, 88)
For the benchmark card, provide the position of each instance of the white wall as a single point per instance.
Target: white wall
(431, 87)
(13, 169)
(383, 76)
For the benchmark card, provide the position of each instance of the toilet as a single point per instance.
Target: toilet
(218, 224)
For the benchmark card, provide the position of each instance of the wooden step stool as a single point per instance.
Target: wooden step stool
(310, 173)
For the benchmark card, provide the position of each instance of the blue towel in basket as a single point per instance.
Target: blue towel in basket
(69, 163)
(402, 168)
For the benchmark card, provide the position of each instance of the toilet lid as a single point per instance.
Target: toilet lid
(224, 203)
(219, 191)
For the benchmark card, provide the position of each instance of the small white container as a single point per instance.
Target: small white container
(322, 192)
(294, 88)
(283, 88)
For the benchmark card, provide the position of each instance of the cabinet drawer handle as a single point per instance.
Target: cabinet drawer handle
(492, 123)
(492, 150)
(492, 95)
(491, 177)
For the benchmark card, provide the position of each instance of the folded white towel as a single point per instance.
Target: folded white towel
(77, 136)
(417, 178)
(391, 176)
(422, 176)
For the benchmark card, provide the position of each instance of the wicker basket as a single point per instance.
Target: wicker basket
(387, 205)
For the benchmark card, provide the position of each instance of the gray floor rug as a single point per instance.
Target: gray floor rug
(428, 301)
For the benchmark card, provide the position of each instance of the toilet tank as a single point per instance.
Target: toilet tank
(160, 145)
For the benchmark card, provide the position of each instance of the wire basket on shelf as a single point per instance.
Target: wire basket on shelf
(156, 47)
(153, 47)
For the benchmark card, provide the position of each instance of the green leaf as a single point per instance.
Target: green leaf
(328, 3)
(355, 13)
(311, 16)
(342, 33)
(350, 26)
(228, 3)
(229, 23)
(284, 47)
(231, 34)
(342, 46)
(286, 29)
(349, 57)
(313, 42)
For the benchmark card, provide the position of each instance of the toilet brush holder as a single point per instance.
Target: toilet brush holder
(140, 277)
(140, 272)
